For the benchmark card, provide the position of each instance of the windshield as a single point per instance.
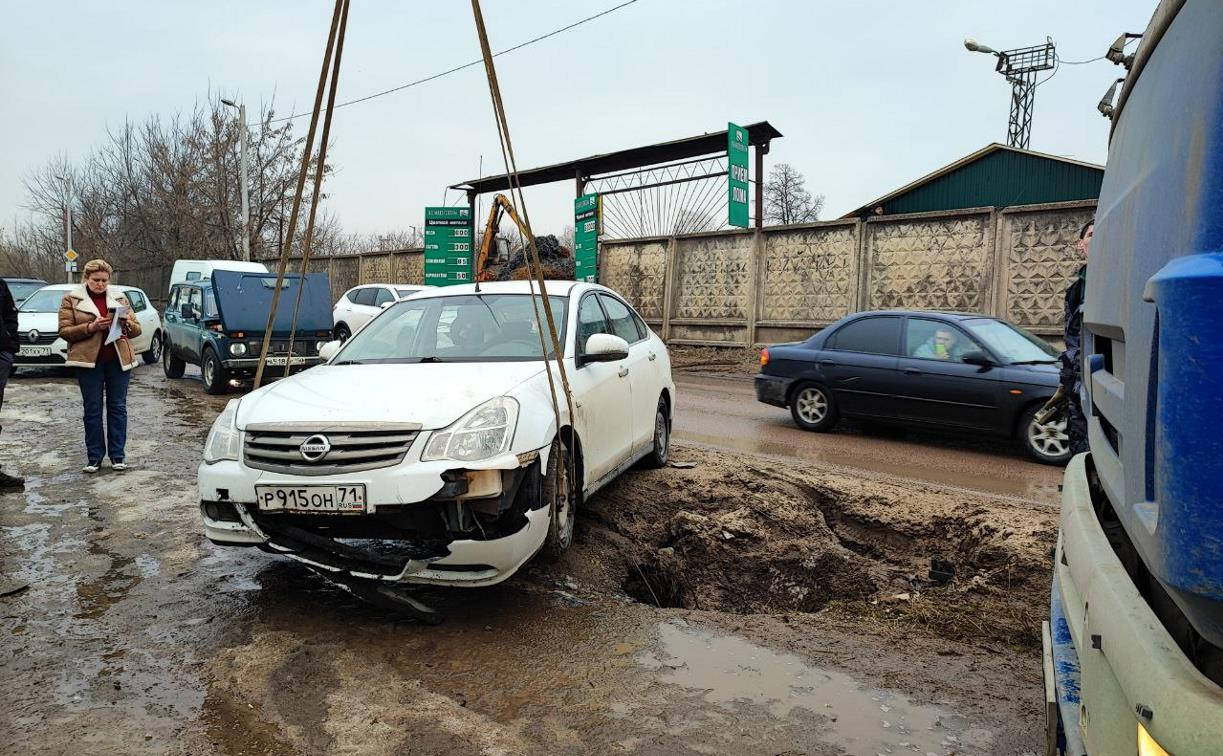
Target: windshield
(43, 301)
(403, 293)
(1011, 342)
(22, 289)
(464, 328)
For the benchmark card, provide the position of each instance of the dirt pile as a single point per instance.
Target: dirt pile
(754, 537)
(555, 258)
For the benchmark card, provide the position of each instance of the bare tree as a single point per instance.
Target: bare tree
(786, 199)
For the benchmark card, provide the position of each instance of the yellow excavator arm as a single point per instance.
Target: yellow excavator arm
(501, 204)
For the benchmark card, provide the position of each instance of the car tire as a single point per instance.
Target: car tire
(173, 366)
(1048, 444)
(660, 452)
(153, 356)
(216, 377)
(342, 333)
(558, 490)
(813, 408)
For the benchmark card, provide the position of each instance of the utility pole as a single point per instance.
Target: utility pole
(246, 202)
(67, 222)
(1019, 67)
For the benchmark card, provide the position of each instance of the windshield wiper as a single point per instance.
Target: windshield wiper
(349, 362)
(1052, 361)
(433, 358)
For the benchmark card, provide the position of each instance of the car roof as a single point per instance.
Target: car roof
(24, 279)
(947, 314)
(70, 287)
(555, 288)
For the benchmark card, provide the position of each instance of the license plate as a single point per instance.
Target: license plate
(34, 351)
(281, 360)
(348, 499)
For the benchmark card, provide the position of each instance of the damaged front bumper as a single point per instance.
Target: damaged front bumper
(426, 522)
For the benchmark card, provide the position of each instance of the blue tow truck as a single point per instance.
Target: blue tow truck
(1134, 644)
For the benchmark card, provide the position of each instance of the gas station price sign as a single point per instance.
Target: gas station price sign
(448, 246)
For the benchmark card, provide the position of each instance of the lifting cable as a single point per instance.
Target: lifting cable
(341, 11)
(534, 265)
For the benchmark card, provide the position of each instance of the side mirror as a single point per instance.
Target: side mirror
(603, 347)
(385, 305)
(977, 357)
(187, 311)
(328, 350)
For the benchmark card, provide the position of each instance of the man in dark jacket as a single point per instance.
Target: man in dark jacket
(1071, 360)
(8, 350)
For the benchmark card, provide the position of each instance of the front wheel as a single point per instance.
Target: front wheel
(216, 377)
(1048, 443)
(173, 366)
(559, 491)
(812, 408)
(661, 451)
(152, 356)
(342, 333)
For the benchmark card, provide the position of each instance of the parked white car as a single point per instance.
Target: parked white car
(361, 303)
(38, 327)
(430, 436)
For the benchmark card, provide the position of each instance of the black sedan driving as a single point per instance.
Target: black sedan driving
(928, 369)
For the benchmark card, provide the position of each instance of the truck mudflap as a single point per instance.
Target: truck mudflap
(1104, 640)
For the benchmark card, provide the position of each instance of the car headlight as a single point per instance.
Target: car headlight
(481, 434)
(237, 349)
(224, 440)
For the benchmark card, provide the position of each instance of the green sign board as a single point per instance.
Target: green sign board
(736, 172)
(448, 246)
(586, 237)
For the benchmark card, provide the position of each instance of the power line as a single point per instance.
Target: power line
(478, 61)
(1081, 62)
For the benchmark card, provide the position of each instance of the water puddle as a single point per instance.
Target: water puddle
(861, 720)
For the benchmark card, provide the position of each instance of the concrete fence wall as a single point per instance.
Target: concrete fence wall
(745, 287)
(404, 266)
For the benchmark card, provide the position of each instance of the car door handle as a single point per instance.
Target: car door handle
(827, 363)
(912, 371)
(623, 372)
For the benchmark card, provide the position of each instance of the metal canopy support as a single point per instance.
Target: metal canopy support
(1019, 67)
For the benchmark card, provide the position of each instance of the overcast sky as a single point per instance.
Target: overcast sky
(869, 95)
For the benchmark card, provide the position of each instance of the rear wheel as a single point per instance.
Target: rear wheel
(559, 491)
(812, 408)
(1049, 442)
(216, 377)
(172, 365)
(152, 356)
(342, 333)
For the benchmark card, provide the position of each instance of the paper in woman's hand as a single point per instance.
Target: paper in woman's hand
(116, 324)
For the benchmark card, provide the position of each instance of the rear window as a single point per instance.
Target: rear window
(868, 335)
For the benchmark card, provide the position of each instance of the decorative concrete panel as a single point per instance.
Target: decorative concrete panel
(408, 268)
(937, 263)
(637, 271)
(345, 274)
(376, 269)
(1041, 260)
(810, 274)
(714, 277)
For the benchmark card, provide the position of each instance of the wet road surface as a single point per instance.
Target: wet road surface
(136, 635)
(722, 412)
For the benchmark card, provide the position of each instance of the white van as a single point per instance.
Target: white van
(193, 270)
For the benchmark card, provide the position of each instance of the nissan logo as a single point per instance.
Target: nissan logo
(33, 336)
(315, 448)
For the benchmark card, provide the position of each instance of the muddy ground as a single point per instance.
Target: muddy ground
(729, 605)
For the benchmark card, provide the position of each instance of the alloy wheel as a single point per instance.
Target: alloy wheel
(1050, 439)
(812, 405)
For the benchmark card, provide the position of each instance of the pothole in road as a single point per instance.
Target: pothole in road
(737, 537)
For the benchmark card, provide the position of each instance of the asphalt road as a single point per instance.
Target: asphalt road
(722, 412)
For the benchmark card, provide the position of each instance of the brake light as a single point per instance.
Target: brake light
(764, 357)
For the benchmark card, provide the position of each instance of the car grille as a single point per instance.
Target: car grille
(43, 338)
(353, 447)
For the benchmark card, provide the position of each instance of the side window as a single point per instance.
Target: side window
(590, 321)
(620, 318)
(935, 340)
(135, 299)
(173, 303)
(870, 335)
(642, 328)
(365, 297)
(210, 304)
(194, 299)
(383, 296)
(351, 295)
(193, 275)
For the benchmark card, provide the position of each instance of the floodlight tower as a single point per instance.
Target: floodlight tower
(1019, 67)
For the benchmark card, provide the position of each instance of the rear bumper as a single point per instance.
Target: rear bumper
(773, 389)
(1111, 655)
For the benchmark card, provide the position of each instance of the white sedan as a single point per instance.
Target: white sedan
(430, 448)
(361, 303)
(38, 327)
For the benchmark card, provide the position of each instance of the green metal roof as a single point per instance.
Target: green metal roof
(995, 176)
